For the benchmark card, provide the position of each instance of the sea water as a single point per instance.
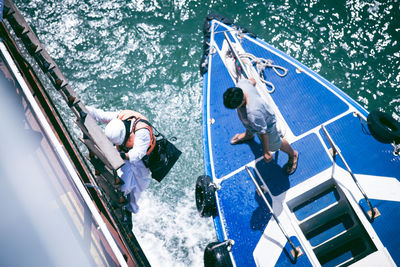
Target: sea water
(144, 55)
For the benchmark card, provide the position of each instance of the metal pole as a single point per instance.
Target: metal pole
(296, 252)
(337, 150)
(235, 54)
(228, 243)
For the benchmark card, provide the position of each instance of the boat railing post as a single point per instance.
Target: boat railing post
(296, 251)
(228, 243)
(236, 55)
(373, 212)
(396, 149)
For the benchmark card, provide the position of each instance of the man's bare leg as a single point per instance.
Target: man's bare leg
(293, 156)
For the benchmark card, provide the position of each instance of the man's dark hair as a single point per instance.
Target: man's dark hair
(233, 97)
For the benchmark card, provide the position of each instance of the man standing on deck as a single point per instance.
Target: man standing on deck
(258, 117)
(134, 139)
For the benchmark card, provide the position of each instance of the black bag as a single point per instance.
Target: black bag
(162, 158)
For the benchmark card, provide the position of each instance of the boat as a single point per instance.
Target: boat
(341, 207)
(62, 204)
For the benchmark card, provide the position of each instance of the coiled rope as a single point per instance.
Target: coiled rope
(261, 65)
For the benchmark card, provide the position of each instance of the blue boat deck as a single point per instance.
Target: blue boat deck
(305, 102)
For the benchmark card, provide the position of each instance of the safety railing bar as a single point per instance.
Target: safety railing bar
(236, 55)
(336, 150)
(229, 243)
(296, 251)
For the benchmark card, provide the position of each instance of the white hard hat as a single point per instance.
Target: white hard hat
(115, 131)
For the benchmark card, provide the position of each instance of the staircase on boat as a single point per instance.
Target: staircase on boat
(331, 226)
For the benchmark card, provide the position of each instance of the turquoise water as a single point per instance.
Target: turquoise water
(144, 55)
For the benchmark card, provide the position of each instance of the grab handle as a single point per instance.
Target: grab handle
(296, 251)
(374, 212)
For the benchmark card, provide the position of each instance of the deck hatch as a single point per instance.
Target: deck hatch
(309, 207)
(331, 226)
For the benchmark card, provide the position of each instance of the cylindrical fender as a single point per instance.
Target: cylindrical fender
(205, 196)
(383, 127)
(217, 255)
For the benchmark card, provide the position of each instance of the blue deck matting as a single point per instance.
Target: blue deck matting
(246, 219)
(315, 204)
(285, 259)
(301, 99)
(373, 158)
(219, 36)
(387, 226)
(312, 160)
(305, 104)
(227, 157)
(361, 151)
(329, 230)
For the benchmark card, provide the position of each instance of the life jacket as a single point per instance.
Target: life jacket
(128, 117)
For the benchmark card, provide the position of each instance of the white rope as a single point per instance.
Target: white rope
(261, 65)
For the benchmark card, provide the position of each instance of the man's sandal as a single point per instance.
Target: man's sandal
(236, 141)
(291, 165)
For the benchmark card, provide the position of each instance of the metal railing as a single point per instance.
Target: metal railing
(296, 251)
(374, 212)
(237, 58)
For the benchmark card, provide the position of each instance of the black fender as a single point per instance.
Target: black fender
(203, 65)
(217, 256)
(206, 202)
(383, 127)
(209, 18)
(207, 33)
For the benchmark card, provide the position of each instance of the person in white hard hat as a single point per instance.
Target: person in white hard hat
(134, 139)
